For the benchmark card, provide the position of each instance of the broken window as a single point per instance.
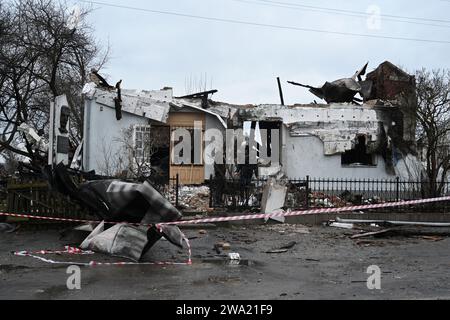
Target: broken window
(358, 156)
(142, 143)
(263, 140)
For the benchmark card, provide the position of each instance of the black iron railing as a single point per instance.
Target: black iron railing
(35, 198)
(325, 193)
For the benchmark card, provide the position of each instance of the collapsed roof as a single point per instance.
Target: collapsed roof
(342, 90)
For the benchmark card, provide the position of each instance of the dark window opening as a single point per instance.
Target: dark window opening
(268, 126)
(359, 155)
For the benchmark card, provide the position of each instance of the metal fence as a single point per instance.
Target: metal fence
(33, 197)
(325, 193)
(170, 190)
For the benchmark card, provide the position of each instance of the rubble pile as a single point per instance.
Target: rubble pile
(346, 199)
(194, 198)
(322, 200)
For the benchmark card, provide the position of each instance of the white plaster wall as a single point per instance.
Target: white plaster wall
(101, 133)
(303, 156)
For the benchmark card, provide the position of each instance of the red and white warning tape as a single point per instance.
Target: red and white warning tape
(251, 217)
(311, 212)
(68, 250)
(206, 220)
(77, 251)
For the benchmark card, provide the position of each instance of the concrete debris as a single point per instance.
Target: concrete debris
(341, 225)
(274, 198)
(192, 198)
(234, 256)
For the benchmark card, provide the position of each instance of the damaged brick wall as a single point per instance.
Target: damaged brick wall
(392, 84)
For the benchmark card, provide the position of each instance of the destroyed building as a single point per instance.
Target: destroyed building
(371, 139)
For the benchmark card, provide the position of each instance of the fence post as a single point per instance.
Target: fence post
(211, 202)
(307, 192)
(177, 186)
(398, 189)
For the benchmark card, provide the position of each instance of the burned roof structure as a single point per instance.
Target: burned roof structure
(342, 90)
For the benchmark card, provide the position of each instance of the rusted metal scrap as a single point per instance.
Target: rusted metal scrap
(342, 90)
(130, 212)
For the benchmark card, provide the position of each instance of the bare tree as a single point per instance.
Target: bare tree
(129, 155)
(114, 160)
(433, 130)
(42, 55)
(139, 143)
(194, 84)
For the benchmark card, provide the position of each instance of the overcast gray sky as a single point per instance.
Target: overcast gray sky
(151, 51)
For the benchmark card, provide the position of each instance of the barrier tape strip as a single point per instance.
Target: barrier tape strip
(249, 217)
(77, 251)
(310, 212)
(70, 250)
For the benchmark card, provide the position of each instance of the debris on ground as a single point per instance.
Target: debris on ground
(277, 251)
(121, 240)
(287, 228)
(192, 198)
(346, 199)
(283, 249)
(234, 256)
(398, 223)
(288, 246)
(8, 228)
(341, 225)
(225, 246)
(218, 248)
(115, 201)
(371, 234)
(433, 238)
(274, 198)
(431, 231)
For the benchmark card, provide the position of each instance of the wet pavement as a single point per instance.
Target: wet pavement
(324, 263)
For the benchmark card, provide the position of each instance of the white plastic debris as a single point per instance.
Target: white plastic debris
(342, 225)
(234, 256)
